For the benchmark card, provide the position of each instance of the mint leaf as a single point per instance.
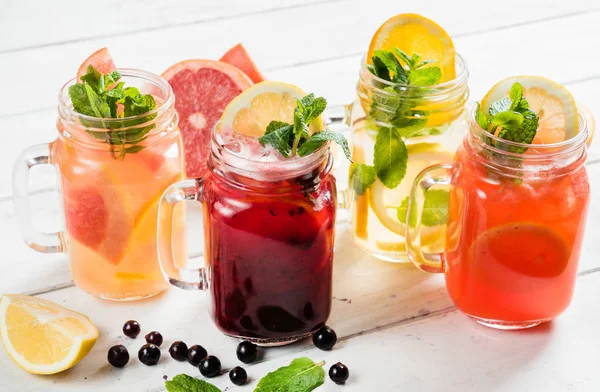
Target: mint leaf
(524, 134)
(435, 209)
(388, 66)
(98, 106)
(425, 76)
(80, 101)
(317, 139)
(185, 383)
(390, 157)
(276, 125)
(507, 119)
(501, 105)
(315, 109)
(362, 176)
(302, 375)
(280, 138)
(516, 93)
(480, 117)
(403, 56)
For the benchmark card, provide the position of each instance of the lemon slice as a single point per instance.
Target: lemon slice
(413, 33)
(43, 337)
(553, 103)
(385, 202)
(250, 113)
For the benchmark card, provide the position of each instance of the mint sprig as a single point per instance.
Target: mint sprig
(295, 139)
(185, 383)
(396, 106)
(102, 96)
(512, 114)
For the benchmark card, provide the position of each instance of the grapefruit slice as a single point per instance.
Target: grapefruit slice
(414, 33)
(203, 88)
(238, 57)
(100, 59)
(251, 112)
(43, 337)
(99, 216)
(553, 103)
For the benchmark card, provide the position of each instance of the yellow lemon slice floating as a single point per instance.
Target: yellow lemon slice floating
(250, 113)
(385, 202)
(43, 337)
(413, 33)
(553, 103)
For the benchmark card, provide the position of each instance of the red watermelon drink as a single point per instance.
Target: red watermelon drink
(269, 205)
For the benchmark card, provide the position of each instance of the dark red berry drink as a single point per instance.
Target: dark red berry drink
(269, 245)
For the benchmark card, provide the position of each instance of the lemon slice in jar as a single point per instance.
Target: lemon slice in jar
(250, 113)
(554, 104)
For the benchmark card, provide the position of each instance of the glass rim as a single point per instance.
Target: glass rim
(458, 80)
(64, 99)
(286, 166)
(572, 143)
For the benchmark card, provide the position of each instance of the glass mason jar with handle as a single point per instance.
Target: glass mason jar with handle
(514, 229)
(268, 239)
(109, 191)
(425, 124)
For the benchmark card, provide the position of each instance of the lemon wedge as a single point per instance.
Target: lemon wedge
(43, 337)
(250, 113)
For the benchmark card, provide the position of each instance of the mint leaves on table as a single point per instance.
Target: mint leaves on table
(295, 139)
(104, 97)
(185, 383)
(517, 122)
(396, 107)
(301, 375)
(435, 209)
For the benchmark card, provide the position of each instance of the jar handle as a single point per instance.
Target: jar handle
(41, 242)
(178, 276)
(425, 261)
(337, 118)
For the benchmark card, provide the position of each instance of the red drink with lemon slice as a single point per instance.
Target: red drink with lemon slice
(516, 220)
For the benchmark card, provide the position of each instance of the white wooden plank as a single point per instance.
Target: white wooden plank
(413, 355)
(41, 26)
(324, 35)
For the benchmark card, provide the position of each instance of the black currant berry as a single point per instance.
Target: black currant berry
(196, 354)
(179, 351)
(325, 338)
(246, 352)
(338, 373)
(118, 356)
(131, 329)
(154, 338)
(149, 354)
(238, 375)
(210, 366)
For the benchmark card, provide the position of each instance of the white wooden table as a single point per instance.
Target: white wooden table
(398, 328)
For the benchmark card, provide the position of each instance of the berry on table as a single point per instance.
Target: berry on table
(238, 375)
(210, 366)
(196, 354)
(179, 351)
(246, 352)
(118, 356)
(131, 329)
(325, 338)
(338, 373)
(154, 338)
(149, 354)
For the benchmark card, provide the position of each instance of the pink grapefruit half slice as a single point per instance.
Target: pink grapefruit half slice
(239, 57)
(203, 88)
(100, 59)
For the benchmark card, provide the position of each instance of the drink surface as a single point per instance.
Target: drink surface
(513, 244)
(269, 245)
(111, 208)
